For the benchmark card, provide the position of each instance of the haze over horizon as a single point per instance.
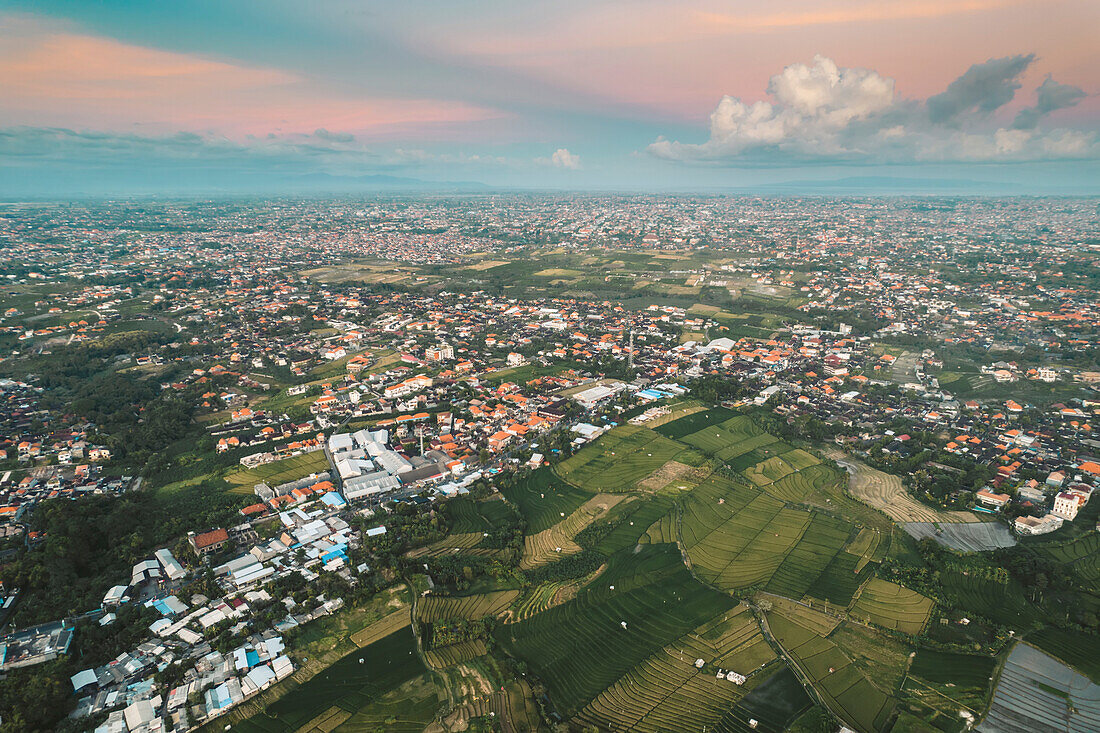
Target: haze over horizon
(979, 96)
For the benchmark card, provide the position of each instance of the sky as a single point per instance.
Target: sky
(161, 97)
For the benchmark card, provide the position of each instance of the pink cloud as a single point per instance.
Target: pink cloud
(68, 79)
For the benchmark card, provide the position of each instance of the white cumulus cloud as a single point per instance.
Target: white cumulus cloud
(561, 158)
(820, 111)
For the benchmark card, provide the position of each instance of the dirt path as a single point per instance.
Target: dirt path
(884, 491)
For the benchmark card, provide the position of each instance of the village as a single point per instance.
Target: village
(323, 396)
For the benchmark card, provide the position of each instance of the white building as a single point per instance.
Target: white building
(1067, 504)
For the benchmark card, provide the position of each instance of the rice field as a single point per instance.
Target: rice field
(680, 428)
(557, 541)
(470, 516)
(543, 499)
(966, 677)
(351, 694)
(582, 647)
(773, 706)
(452, 654)
(277, 472)
(618, 460)
(668, 691)
(737, 537)
(432, 608)
(541, 597)
(891, 606)
(845, 689)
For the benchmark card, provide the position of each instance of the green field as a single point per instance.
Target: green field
(845, 688)
(967, 674)
(1000, 603)
(278, 472)
(684, 426)
(580, 648)
(361, 693)
(893, 607)
(774, 705)
(667, 691)
(618, 460)
(432, 608)
(544, 499)
(471, 516)
(737, 537)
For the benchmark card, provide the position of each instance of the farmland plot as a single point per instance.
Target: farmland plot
(1038, 693)
(580, 648)
(618, 460)
(668, 691)
(542, 498)
(844, 688)
(433, 608)
(557, 541)
(891, 606)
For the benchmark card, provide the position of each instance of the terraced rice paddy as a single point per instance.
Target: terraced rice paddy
(1000, 603)
(580, 648)
(845, 689)
(544, 499)
(773, 705)
(452, 654)
(738, 537)
(668, 691)
(557, 541)
(618, 460)
(277, 472)
(352, 695)
(542, 597)
(680, 428)
(891, 606)
(470, 516)
(1081, 555)
(964, 678)
(432, 608)
(1080, 651)
(454, 544)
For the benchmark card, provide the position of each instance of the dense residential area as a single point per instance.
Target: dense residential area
(550, 462)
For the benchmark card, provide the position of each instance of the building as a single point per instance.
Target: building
(1037, 525)
(992, 499)
(208, 542)
(1067, 504)
(439, 352)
